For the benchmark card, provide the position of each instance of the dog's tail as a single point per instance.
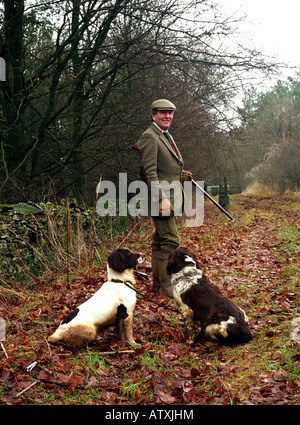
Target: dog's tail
(122, 312)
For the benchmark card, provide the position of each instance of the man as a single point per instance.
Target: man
(161, 161)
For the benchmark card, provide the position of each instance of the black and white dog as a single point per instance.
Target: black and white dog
(112, 304)
(199, 300)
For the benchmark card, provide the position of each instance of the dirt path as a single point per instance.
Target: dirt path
(255, 259)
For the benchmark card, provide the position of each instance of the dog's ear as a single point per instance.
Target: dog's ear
(171, 262)
(116, 261)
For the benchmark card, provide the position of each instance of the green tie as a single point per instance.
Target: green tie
(170, 141)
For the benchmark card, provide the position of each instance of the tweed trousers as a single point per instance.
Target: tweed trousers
(165, 237)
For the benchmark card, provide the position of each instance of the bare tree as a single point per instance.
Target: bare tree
(73, 93)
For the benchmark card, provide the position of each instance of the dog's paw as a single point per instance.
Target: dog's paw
(52, 339)
(199, 338)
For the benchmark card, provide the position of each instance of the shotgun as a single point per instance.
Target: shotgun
(212, 200)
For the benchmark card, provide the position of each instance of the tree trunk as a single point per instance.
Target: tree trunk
(15, 138)
(77, 163)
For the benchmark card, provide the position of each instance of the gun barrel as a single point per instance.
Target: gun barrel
(212, 200)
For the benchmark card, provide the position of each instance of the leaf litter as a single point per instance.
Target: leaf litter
(251, 259)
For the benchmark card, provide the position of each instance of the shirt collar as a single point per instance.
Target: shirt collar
(162, 131)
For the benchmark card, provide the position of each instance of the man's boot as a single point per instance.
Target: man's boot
(165, 286)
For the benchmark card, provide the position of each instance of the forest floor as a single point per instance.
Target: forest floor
(256, 261)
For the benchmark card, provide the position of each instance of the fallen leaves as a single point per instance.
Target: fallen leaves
(245, 258)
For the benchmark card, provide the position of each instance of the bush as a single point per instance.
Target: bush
(38, 236)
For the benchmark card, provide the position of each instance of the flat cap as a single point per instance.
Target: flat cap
(163, 105)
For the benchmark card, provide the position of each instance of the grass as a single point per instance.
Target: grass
(134, 387)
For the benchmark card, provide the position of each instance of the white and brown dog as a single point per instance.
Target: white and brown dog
(112, 304)
(199, 300)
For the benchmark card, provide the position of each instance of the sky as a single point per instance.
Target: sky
(273, 27)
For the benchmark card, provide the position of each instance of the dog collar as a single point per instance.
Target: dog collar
(121, 281)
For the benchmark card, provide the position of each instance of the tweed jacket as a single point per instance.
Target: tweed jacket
(158, 160)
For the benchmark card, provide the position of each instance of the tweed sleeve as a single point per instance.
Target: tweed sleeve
(148, 150)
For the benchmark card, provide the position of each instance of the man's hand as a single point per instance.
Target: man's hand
(165, 208)
(186, 176)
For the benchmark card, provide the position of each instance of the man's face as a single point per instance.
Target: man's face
(163, 119)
